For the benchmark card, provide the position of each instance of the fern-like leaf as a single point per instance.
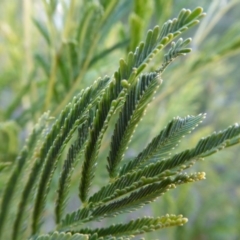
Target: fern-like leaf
(138, 226)
(176, 49)
(136, 102)
(74, 154)
(105, 108)
(160, 147)
(171, 166)
(143, 196)
(21, 160)
(133, 201)
(56, 141)
(157, 40)
(206, 146)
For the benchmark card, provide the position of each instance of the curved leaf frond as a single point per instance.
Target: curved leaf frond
(136, 102)
(177, 49)
(155, 41)
(56, 141)
(160, 170)
(145, 195)
(106, 107)
(138, 226)
(131, 202)
(73, 155)
(205, 147)
(160, 147)
(24, 156)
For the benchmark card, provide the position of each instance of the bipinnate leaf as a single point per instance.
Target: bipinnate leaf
(33, 176)
(75, 218)
(205, 147)
(140, 181)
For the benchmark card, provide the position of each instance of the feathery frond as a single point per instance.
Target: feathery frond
(85, 120)
(106, 107)
(133, 201)
(161, 146)
(138, 226)
(21, 160)
(205, 147)
(145, 195)
(160, 170)
(73, 156)
(56, 141)
(155, 41)
(136, 102)
(177, 49)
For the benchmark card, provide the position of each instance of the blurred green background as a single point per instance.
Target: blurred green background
(49, 50)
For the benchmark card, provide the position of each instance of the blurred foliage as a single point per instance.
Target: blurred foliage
(49, 50)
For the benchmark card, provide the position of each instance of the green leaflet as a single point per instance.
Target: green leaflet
(138, 226)
(155, 172)
(73, 156)
(21, 162)
(143, 196)
(131, 202)
(175, 50)
(160, 147)
(155, 41)
(105, 108)
(76, 217)
(70, 118)
(136, 102)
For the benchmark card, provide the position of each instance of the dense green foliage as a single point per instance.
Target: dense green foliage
(97, 126)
